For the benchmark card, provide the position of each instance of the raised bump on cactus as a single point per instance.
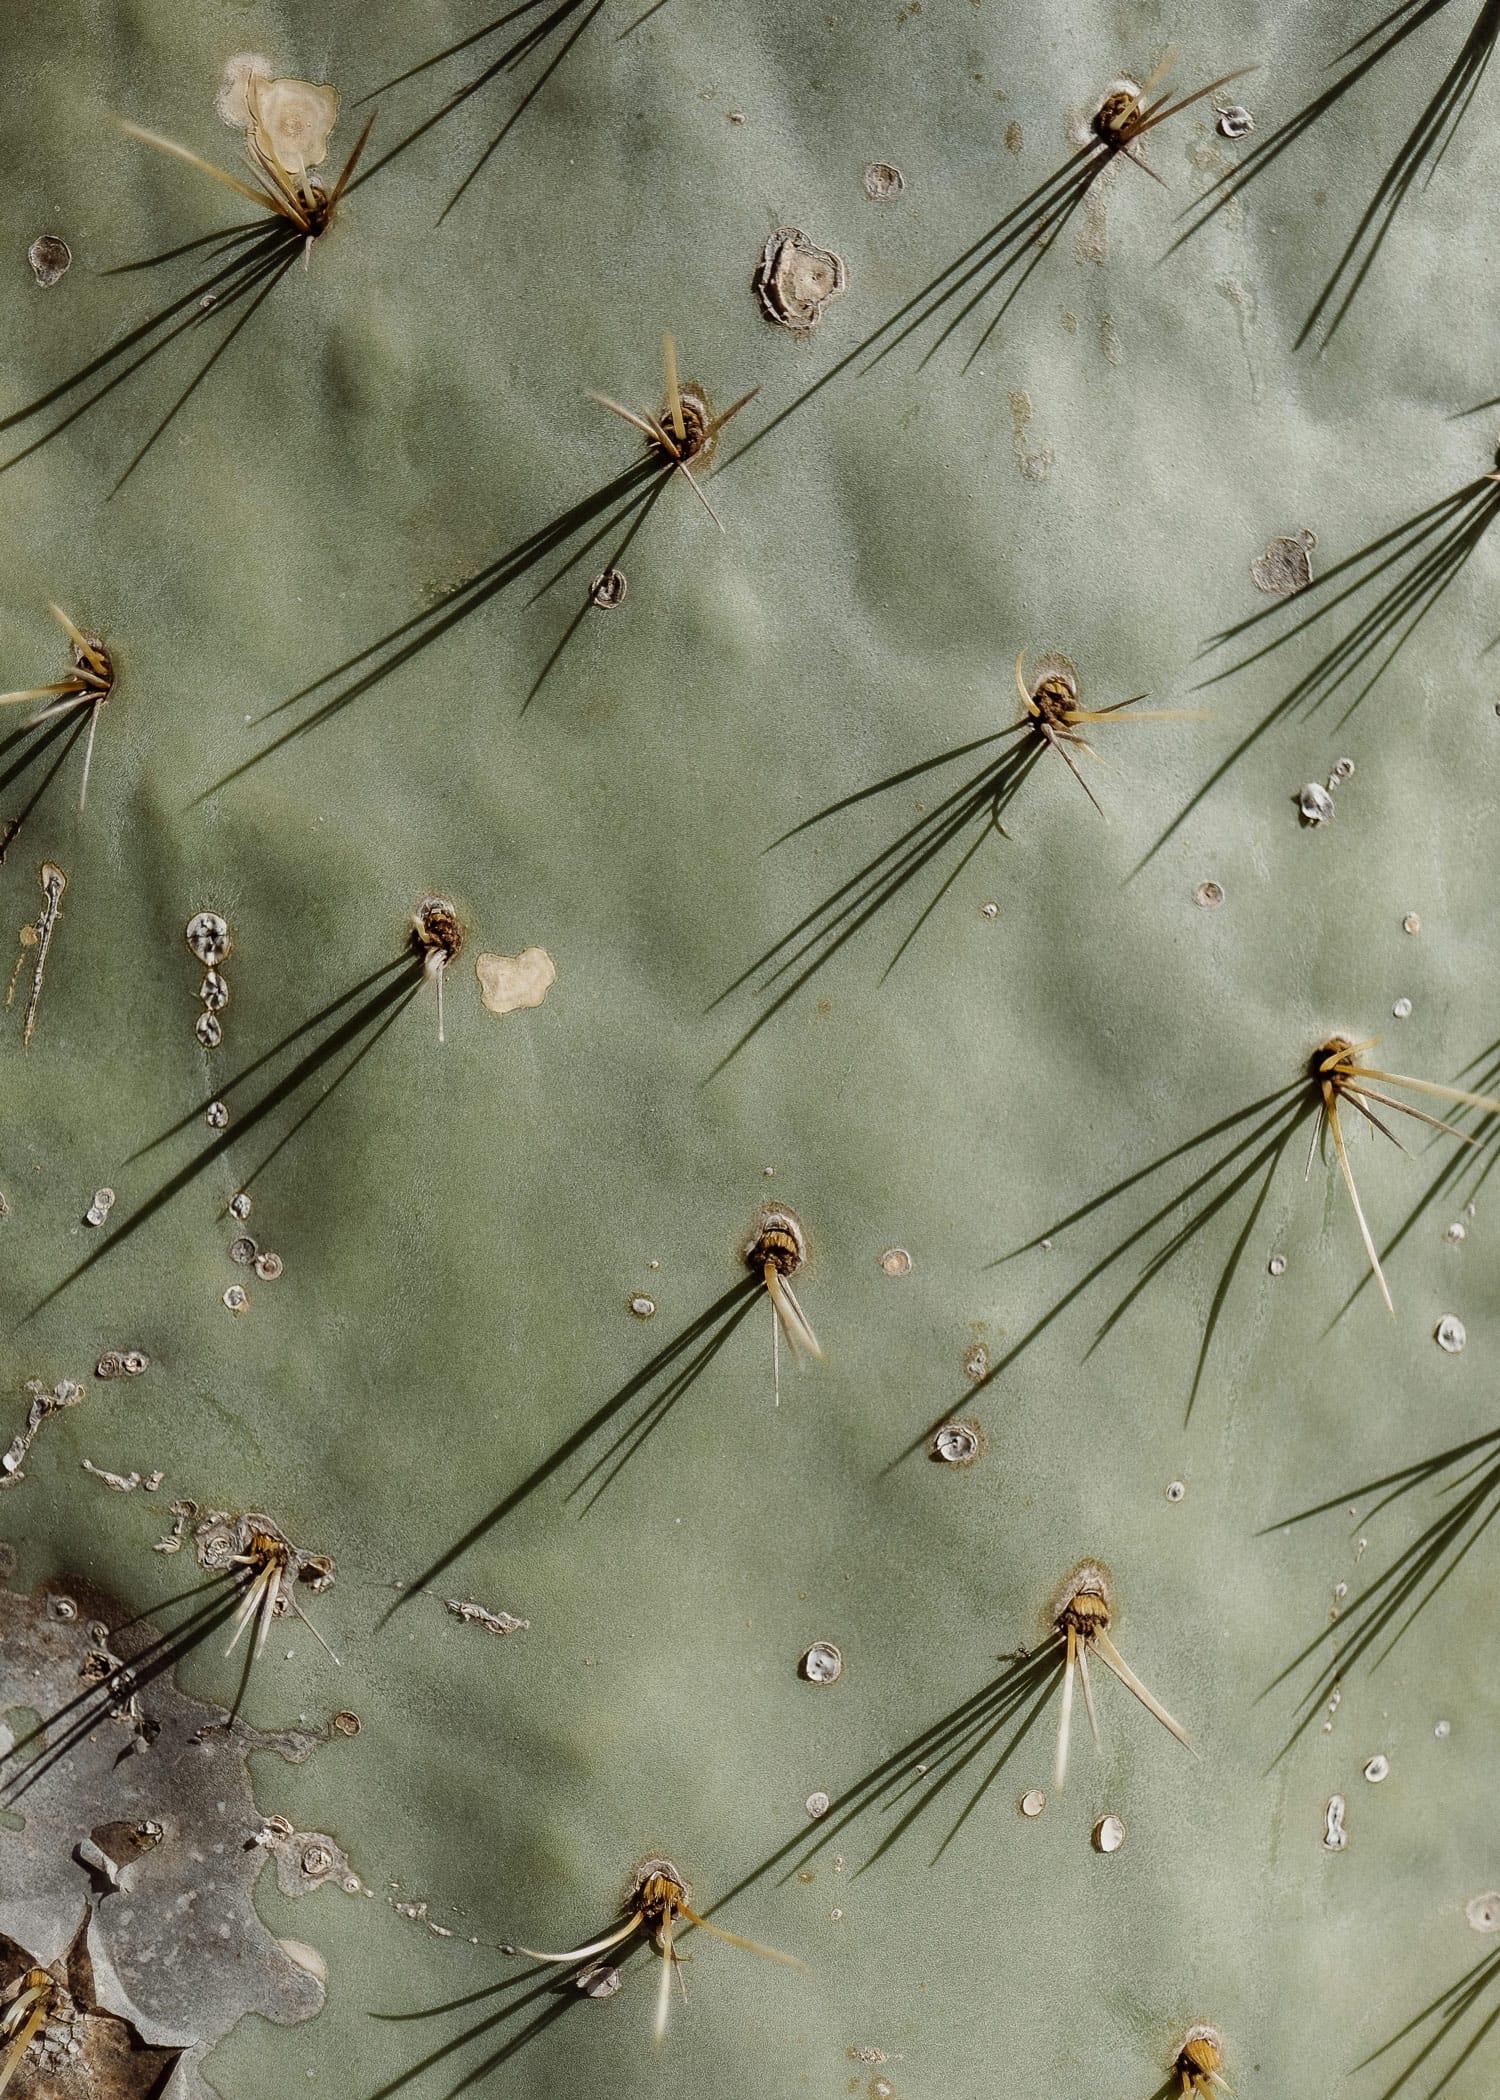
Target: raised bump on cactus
(685, 430)
(1084, 1610)
(89, 683)
(775, 1251)
(654, 1895)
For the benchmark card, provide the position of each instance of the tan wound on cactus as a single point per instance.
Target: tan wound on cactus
(290, 119)
(507, 983)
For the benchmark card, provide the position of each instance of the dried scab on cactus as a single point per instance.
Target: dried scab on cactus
(1083, 1614)
(86, 686)
(776, 1251)
(685, 431)
(1199, 2062)
(287, 124)
(438, 936)
(656, 1894)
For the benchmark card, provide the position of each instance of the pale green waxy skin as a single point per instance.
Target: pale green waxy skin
(462, 1229)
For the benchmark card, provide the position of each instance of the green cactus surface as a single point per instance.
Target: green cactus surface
(750, 886)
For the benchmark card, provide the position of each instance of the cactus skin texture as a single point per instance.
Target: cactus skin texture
(446, 1390)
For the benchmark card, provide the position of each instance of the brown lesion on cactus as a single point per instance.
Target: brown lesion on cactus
(775, 1252)
(656, 1896)
(82, 692)
(1198, 2064)
(1082, 1614)
(684, 432)
(1054, 714)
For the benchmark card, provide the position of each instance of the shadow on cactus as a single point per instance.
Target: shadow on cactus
(111, 1692)
(286, 125)
(682, 435)
(1466, 1479)
(1428, 552)
(1419, 154)
(1448, 2012)
(1051, 720)
(775, 1251)
(532, 29)
(354, 1022)
(1244, 1151)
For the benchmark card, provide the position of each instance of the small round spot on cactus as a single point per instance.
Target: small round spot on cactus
(1032, 1802)
(209, 1030)
(796, 280)
(642, 1307)
(1483, 1912)
(822, 1663)
(1411, 923)
(216, 1115)
(510, 984)
(50, 257)
(236, 1298)
(895, 1262)
(818, 1804)
(239, 71)
(598, 1979)
(239, 1205)
(135, 1362)
(1401, 1011)
(977, 1363)
(1108, 1834)
(957, 1443)
(607, 591)
(1276, 1266)
(316, 1861)
(345, 1724)
(883, 183)
(62, 1609)
(1450, 1333)
(1378, 1768)
(1234, 122)
(1199, 2061)
(1335, 1836)
(213, 993)
(1176, 1490)
(989, 909)
(1341, 770)
(243, 1251)
(1286, 565)
(1210, 895)
(110, 1365)
(268, 1267)
(1456, 1233)
(1442, 1730)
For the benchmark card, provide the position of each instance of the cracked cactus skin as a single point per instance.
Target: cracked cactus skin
(463, 1228)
